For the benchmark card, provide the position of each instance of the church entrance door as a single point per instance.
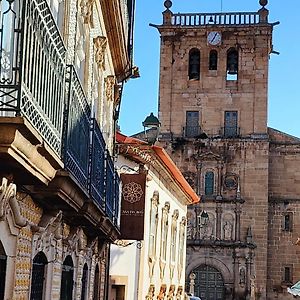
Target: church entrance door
(209, 283)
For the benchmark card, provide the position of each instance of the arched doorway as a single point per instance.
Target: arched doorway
(3, 259)
(38, 276)
(66, 289)
(209, 283)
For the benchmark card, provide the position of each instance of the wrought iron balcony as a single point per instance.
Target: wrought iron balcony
(97, 176)
(77, 130)
(230, 132)
(191, 131)
(32, 67)
(36, 83)
(85, 154)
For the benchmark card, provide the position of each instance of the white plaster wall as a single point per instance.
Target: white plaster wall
(125, 262)
(133, 262)
(164, 196)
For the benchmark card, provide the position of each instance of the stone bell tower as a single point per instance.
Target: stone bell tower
(213, 112)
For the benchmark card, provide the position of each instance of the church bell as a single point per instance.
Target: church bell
(232, 63)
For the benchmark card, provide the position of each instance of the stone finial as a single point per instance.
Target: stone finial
(263, 12)
(168, 4)
(263, 2)
(167, 14)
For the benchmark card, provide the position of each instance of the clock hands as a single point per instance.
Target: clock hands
(214, 37)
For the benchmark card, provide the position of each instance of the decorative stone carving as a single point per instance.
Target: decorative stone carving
(190, 177)
(86, 7)
(151, 292)
(230, 181)
(171, 292)
(50, 227)
(252, 288)
(110, 82)
(173, 242)
(179, 293)
(227, 227)
(192, 283)
(8, 192)
(162, 292)
(242, 276)
(77, 240)
(100, 43)
(191, 216)
(164, 238)
(153, 232)
(181, 248)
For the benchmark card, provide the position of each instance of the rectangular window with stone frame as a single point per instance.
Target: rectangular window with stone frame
(287, 274)
(287, 222)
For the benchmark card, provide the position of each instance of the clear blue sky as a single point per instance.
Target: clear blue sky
(140, 95)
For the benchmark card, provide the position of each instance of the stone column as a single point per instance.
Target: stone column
(238, 211)
(236, 269)
(198, 183)
(219, 191)
(219, 211)
(197, 230)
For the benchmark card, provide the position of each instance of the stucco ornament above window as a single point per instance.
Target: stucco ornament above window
(86, 7)
(100, 43)
(110, 82)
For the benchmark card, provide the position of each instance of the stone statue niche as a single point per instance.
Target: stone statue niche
(228, 227)
(208, 230)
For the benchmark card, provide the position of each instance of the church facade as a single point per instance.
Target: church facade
(213, 100)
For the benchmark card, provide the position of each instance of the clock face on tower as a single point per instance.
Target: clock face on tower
(214, 38)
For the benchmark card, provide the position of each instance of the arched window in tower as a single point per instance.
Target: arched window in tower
(194, 64)
(3, 259)
(209, 183)
(38, 277)
(213, 60)
(232, 64)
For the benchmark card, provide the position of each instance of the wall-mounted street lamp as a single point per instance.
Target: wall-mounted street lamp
(204, 218)
(151, 128)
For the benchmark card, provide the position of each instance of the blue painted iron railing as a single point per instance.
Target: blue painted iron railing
(78, 122)
(32, 67)
(36, 83)
(97, 175)
(117, 199)
(110, 186)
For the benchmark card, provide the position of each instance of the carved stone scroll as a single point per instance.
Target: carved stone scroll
(8, 200)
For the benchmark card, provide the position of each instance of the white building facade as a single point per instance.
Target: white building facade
(153, 268)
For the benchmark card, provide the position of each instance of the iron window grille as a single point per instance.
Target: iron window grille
(38, 277)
